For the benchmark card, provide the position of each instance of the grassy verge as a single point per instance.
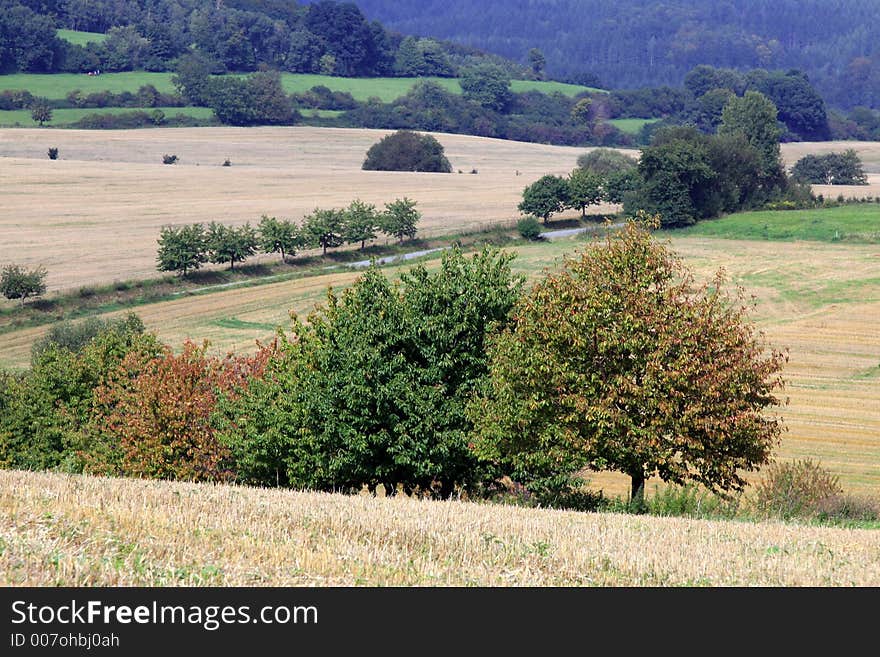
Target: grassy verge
(857, 223)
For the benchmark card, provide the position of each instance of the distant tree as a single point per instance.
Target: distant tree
(360, 222)
(16, 282)
(192, 78)
(581, 113)
(621, 362)
(605, 161)
(278, 236)
(400, 218)
(487, 85)
(584, 189)
(230, 243)
(544, 197)
(256, 100)
(755, 117)
(537, 62)
(182, 248)
(324, 229)
(405, 150)
(830, 169)
(41, 112)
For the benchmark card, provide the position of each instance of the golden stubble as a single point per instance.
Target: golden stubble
(82, 531)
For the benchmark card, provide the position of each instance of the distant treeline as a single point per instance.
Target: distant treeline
(632, 43)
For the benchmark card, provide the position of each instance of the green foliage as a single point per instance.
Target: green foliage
(692, 501)
(47, 408)
(545, 197)
(584, 189)
(41, 112)
(405, 150)
(400, 219)
(606, 161)
(529, 228)
(372, 388)
(75, 336)
(182, 248)
(281, 236)
(796, 489)
(258, 99)
(620, 362)
(16, 282)
(487, 85)
(830, 169)
(755, 117)
(230, 243)
(360, 223)
(323, 228)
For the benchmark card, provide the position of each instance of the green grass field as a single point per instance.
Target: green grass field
(631, 126)
(62, 117)
(58, 85)
(857, 224)
(80, 38)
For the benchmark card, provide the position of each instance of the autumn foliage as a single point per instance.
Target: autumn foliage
(152, 417)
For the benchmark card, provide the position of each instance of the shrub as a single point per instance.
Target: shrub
(53, 153)
(691, 501)
(848, 508)
(406, 150)
(797, 489)
(169, 159)
(529, 228)
(227, 163)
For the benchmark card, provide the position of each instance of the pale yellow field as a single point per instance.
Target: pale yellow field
(58, 530)
(94, 215)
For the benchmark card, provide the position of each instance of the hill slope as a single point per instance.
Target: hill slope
(81, 531)
(637, 43)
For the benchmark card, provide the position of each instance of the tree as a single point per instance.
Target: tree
(323, 228)
(192, 78)
(605, 161)
(487, 85)
(41, 112)
(400, 218)
(405, 150)
(581, 112)
(230, 244)
(755, 117)
(256, 100)
(545, 196)
(372, 388)
(16, 282)
(278, 236)
(584, 189)
(621, 362)
(537, 62)
(360, 222)
(182, 248)
(830, 169)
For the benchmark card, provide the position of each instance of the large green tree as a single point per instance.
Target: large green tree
(620, 361)
(400, 218)
(754, 116)
(279, 236)
(16, 282)
(372, 389)
(546, 196)
(182, 248)
(323, 228)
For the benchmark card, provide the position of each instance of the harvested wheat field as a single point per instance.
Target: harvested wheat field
(93, 216)
(82, 531)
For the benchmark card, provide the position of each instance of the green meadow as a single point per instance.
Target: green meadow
(80, 38)
(857, 223)
(61, 117)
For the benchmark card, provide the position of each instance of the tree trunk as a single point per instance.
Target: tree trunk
(637, 491)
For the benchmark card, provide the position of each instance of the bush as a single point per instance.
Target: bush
(18, 283)
(529, 228)
(227, 163)
(691, 501)
(169, 159)
(797, 489)
(406, 150)
(53, 153)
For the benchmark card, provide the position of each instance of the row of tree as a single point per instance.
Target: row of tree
(186, 248)
(444, 381)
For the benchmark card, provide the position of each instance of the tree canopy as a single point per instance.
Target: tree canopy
(405, 150)
(620, 361)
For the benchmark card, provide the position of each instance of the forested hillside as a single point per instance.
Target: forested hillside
(634, 43)
(333, 38)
